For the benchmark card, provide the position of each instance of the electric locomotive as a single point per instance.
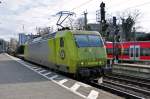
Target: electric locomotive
(77, 52)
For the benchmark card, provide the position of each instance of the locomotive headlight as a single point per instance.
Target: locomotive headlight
(100, 62)
(82, 63)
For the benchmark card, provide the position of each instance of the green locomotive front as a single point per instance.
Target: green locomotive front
(77, 52)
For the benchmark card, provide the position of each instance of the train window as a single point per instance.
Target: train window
(132, 52)
(141, 52)
(61, 42)
(148, 51)
(109, 51)
(95, 40)
(137, 52)
(126, 51)
(88, 41)
(118, 51)
(145, 52)
(81, 40)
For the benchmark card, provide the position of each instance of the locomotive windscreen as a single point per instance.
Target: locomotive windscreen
(86, 40)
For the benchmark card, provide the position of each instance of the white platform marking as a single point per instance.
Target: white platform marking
(93, 95)
(34, 67)
(55, 76)
(47, 73)
(63, 81)
(37, 69)
(75, 87)
(82, 84)
(42, 71)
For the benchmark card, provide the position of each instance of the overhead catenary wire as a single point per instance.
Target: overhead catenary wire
(110, 7)
(138, 5)
(89, 1)
(119, 3)
(81, 5)
(134, 6)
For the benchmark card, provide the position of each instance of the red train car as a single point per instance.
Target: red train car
(129, 51)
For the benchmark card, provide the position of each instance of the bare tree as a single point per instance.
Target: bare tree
(79, 23)
(129, 20)
(45, 30)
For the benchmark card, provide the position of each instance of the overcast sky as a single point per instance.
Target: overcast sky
(14, 14)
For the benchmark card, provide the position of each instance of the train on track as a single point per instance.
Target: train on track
(77, 52)
(138, 51)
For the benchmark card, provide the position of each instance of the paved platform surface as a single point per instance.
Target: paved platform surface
(21, 80)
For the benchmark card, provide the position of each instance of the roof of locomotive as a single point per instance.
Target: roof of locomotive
(80, 32)
(52, 35)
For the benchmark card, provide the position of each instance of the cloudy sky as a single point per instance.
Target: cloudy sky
(16, 14)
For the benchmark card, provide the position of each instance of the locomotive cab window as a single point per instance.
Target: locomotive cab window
(83, 40)
(61, 42)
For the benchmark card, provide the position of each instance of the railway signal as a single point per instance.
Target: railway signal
(103, 21)
(100, 17)
(102, 6)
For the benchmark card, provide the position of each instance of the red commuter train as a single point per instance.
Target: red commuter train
(138, 51)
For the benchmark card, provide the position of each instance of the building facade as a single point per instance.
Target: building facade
(23, 38)
(3, 46)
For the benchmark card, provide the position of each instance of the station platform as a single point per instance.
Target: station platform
(137, 70)
(22, 80)
(136, 65)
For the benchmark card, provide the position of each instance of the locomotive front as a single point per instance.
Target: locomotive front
(91, 54)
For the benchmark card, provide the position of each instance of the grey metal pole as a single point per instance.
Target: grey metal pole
(134, 44)
(114, 36)
(85, 20)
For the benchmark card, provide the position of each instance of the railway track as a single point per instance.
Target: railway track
(130, 77)
(120, 92)
(126, 86)
(137, 83)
